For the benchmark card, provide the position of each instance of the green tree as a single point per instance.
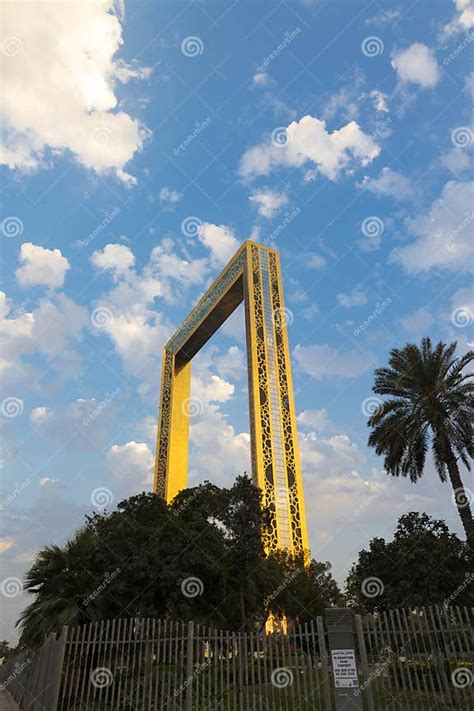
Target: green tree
(61, 579)
(431, 405)
(424, 564)
(200, 558)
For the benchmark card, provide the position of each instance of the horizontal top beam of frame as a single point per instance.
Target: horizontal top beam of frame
(217, 304)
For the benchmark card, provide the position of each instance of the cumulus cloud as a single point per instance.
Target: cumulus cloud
(261, 79)
(417, 64)
(220, 241)
(41, 267)
(170, 196)
(309, 143)
(463, 19)
(83, 424)
(116, 258)
(313, 419)
(268, 202)
(321, 361)
(50, 329)
(380, 100)
(389, 183)
(131, 465)
(58, 90)
(443, 236)
(356, 297)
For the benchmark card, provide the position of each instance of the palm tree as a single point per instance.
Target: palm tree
(431, 404)
(61, 580)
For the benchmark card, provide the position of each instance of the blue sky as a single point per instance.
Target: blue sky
(143, 142)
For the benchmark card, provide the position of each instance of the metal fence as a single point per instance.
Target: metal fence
(406, 659)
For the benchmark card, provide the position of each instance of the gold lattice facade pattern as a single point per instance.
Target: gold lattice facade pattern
(252, 276)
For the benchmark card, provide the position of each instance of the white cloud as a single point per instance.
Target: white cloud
(131, 464)
(170, 196)
(116, 258)
(384, 17)
(309, 142)
(456, 160)
(41, 266)
(261, 79)
(268, 202)
(418, 322)
(354, 298)
(58, 91)
(209, 388)
(463, 19)
(417, 65)
(389, 184)
(380, 100)
(313, 419)
(315, 261)
(231, 363)
(321, 361)
(49, 329)
(81, 424)
(443, 236)
(220, 241)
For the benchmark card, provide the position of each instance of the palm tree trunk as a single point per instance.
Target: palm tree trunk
(461, 499)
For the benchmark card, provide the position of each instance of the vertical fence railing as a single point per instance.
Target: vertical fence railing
(417, 659)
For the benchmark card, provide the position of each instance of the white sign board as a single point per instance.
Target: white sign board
(344, 668)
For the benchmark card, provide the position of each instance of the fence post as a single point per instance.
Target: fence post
(364, 661)
(58, 667)
(324, 662)
(189, 666)
(341, 644)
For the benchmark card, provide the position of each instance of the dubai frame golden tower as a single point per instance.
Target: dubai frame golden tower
(254, 276)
